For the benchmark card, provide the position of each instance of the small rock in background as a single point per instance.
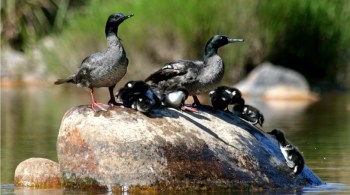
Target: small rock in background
(39, 173)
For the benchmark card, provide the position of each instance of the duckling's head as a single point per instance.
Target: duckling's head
(114, 20)
(143, 104)
(220, 97)
(137, 86)
(278, 134)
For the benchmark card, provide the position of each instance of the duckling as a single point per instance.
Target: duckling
(143, 104)
(249, 113)
(294, 159)
(197, 77)
(137, 95)
(222, 96)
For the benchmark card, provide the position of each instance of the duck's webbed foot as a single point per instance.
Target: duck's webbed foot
(189, 108)
(96, 106)
(112, 102)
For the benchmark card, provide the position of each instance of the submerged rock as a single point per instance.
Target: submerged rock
(125, 150)
(39, 173)
(276, 82)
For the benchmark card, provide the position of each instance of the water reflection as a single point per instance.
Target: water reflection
(329, 188)
(30, 120)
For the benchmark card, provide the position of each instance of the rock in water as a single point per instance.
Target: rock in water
(39, 173)
(276, 82)
(167, 149)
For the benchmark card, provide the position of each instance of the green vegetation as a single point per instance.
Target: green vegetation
(309, 36)
(24, 22)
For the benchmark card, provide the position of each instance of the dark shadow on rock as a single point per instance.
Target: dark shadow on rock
(163, 112)
(207, 130)
(197, 115)
(235, 120)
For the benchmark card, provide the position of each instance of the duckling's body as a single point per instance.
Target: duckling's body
(137, 95)
(249, 113)
(105, 68)
(223, 96)
(175, 99)
(196, 77)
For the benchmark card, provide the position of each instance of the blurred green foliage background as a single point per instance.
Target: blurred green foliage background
(312, 37)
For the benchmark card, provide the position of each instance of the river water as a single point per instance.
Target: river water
(30, 120)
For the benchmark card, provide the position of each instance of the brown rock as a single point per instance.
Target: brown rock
(125, 150)
(38, 172)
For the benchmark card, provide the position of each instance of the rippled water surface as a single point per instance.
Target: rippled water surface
(30, 119)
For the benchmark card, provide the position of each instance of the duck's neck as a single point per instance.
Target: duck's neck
(210, 51)
(113, 41)
(283, 141)
(213, 62)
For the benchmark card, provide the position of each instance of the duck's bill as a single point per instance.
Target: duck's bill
(129, 16)
(235, 40)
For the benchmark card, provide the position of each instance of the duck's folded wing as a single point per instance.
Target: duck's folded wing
(171, 70)
(93, 60)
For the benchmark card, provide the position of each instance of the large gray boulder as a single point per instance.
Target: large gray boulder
(123, 149)
(276, 82)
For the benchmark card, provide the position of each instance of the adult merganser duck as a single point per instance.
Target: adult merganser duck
(294, 159)
(196, 77)
(105, 68)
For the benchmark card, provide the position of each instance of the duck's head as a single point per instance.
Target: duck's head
(218, 41)
(143, 104)
(237, 100)
(222, 40)
(278, 134)
(114, 21)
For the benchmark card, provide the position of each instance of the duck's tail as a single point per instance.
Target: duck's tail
(69, 79)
